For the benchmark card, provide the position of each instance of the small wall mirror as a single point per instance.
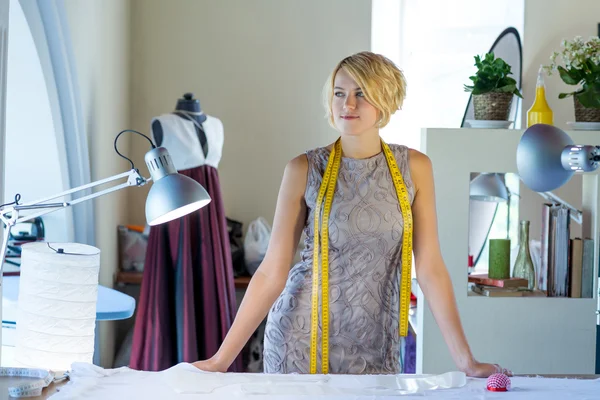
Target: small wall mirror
(493, 214)
(498, 202)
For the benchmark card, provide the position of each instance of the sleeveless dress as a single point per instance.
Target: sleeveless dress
(365, 249)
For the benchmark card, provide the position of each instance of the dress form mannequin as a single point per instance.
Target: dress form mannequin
(187, 298)
(188, 108)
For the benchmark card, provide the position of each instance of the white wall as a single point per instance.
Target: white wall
(100, 31)
(258, 66)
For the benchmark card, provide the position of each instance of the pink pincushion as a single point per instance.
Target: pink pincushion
(498, 383)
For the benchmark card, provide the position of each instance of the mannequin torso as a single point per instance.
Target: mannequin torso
(192, 138)
(187, 108)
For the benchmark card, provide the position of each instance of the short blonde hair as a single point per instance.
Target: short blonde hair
(382, 83)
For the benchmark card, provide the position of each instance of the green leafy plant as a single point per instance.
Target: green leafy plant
(492, 76)
(581, 61)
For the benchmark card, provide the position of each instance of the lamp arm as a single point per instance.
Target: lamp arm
(133, 179)
(10, 215)
(576, 215)
(133, 176)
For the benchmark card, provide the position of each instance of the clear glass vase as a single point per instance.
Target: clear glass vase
(524, 264)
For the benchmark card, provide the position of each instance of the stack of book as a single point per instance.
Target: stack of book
(486, 286)
(565, 265)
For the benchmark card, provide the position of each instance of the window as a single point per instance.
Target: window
(32, 167)
(46, 145)
(434, 42)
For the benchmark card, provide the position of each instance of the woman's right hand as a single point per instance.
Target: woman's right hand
(210, 365)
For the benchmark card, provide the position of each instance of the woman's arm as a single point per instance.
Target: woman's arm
(432, 274)
(269, 280)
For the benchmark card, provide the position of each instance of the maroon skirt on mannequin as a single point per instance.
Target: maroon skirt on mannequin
(187, 299)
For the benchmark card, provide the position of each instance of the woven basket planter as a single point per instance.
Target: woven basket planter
(585, 114)
(492, 106)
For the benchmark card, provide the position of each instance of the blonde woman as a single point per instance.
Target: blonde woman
(364, 245)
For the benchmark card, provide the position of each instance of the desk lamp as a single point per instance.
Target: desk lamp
(547, 158)
(172, 195)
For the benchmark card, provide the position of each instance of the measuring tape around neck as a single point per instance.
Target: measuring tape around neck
(321, 236)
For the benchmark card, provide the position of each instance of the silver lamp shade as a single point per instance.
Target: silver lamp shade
(488, 187)
(539, 156)
(172, 195)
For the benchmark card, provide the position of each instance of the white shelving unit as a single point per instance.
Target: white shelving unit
(527, 335)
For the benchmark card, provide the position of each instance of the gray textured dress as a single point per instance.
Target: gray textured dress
(365, 247)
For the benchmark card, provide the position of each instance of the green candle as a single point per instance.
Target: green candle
(499, 262)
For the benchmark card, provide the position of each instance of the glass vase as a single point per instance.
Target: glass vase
(524, 264)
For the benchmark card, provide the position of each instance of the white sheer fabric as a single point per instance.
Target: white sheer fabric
(183, 381)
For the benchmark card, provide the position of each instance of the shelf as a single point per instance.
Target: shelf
(242, 282)
(547, 321)
(135, 278)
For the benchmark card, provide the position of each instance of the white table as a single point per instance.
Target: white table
(185, 382)
(112, 305)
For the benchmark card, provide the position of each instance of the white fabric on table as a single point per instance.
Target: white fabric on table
(183, 381)
(187, 379)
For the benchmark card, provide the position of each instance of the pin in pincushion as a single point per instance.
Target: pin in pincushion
(498, 383)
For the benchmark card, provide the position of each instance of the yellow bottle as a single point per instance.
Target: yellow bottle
(540, 112)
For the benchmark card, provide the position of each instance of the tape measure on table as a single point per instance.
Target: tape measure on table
(31, 388)
(321, 236)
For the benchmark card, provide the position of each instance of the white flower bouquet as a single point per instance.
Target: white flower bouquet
(578, 63)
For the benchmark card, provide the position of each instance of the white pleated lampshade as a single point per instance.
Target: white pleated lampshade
(56, 314)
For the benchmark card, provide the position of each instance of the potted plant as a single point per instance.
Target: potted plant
(581, 67)
(492, 88)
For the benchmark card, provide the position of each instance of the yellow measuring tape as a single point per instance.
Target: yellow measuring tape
(321, 236)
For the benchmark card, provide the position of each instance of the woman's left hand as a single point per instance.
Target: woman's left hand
(483, 370)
